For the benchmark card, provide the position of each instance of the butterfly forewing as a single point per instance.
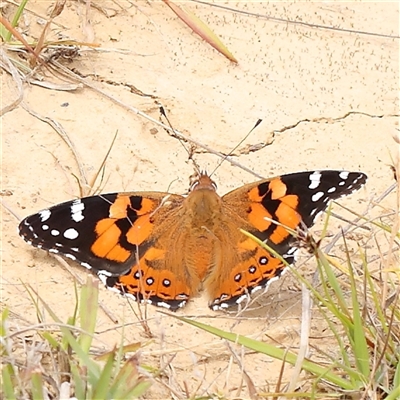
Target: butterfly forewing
(289, 200)
(96, 231)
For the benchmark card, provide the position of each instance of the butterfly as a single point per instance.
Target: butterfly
(163, 248)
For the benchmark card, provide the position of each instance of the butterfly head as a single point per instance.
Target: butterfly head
(202, 181)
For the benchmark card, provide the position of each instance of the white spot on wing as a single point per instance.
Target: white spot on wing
(316, 215)
(44, 215)
(315, 197)
(45, 227)
(103, 272)
(76, 210)
(55, 232)
(292, 250)
(71, 233)
(331, 190)
(344, 175)
(255, 289)
(102, 277)
(315, 179)
(165, 305)
(241, 298)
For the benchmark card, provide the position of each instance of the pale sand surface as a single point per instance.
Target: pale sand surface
(328, 99)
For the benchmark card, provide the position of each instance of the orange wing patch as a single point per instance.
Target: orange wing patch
(137, 228)
(256, 217)
(278, 188)
(107, 244)
(140, 230)
(287, 216)
(248, 276)
(144, 282)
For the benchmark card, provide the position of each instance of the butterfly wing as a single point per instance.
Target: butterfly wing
(289, 200)
(116, 236)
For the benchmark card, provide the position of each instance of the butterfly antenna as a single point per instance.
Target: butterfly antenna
(232, 151)
(189, 151)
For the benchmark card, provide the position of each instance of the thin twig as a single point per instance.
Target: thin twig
(7, 65)
(307, 304)
(173, 132)
(64, 136)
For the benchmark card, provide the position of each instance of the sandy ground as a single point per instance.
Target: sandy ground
(328, 99)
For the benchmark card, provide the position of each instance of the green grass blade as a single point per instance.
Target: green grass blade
(394, 394)
(272, 351)
(127, 384)
(88, 312)
(333, 282)
(93, 368)
(37, 385)
(50, 339)
(360, 349)
(7, 385)
(396, 379)
(14, 22)
(79, 381)
(103, 383)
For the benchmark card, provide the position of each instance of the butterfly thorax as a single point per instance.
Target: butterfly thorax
(202, 208)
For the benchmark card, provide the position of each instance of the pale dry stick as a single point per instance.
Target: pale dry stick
(87, 26)
(293, 22)
(352, 226)
(164, 371)
(27, 73)
(213, 382)
(250, 384)
(173, 132)
(395, 227)
(121, 325)
(8, 66)
(66, 266)
(101, 169)
(307, 304)
(201, 381)
(349, 228)
(26, 9)
(113, 12)
(64, 136)
(45, 326)
(65, 390)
